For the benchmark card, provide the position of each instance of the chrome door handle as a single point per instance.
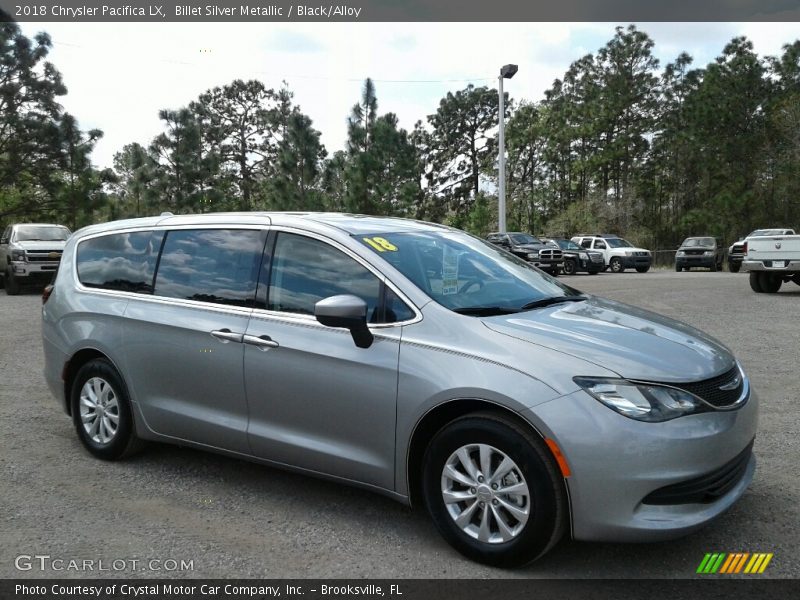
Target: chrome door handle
(263, 342)
(226, 335)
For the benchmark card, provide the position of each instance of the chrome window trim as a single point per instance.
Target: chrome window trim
(198, 304)
(261, 313)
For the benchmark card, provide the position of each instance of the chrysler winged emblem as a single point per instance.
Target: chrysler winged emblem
(778, 245)
(731, 385)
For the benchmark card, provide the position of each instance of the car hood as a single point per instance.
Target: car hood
(632, 342)
(529, 246)
(36, 245)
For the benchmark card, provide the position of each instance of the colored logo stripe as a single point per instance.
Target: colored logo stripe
(711, 563)
(758, 563)
(721, 562)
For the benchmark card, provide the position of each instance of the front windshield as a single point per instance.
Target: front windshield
(523, 238)
(618, 243)
(42, 233)
(466, 274)
(692, 242)
(568, 245)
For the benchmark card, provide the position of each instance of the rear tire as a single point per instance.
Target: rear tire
(101, 411)
(796, 278)
(11, 283)
(770, 282)
(755, 282)
(734, 267)
(518, 526)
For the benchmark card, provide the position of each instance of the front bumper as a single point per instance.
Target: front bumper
(695, 261)
(616, 462)
(548, 266)
(33, 270)
(631, 262)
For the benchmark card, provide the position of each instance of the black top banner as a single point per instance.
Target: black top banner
(400, 10)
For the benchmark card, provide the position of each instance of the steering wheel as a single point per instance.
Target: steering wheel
(470, 283)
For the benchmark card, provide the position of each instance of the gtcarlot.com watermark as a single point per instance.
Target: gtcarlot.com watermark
(45, 562)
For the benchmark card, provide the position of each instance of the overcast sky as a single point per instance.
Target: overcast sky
(120, 75)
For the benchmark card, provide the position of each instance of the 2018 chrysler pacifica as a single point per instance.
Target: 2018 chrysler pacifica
(405, 357)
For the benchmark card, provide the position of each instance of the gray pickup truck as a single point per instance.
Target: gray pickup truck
(30, 253)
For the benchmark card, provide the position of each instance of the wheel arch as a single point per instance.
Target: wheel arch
(444, 413)
(74, 364)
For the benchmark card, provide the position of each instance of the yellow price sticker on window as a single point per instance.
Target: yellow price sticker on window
(381, 244)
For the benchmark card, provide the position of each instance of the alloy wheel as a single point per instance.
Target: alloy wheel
(485, 493)
(99, 410)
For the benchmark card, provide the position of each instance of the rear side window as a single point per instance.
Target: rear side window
(211, 265)
(120, 261)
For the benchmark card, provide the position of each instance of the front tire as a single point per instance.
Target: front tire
(643, 269)
(12, 285)
(493, 491)
(101, 411)
(570, 267)
(616, 265)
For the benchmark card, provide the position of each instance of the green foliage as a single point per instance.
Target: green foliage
(617, 144)
(462, 144)
(382, 172)
(45, 169)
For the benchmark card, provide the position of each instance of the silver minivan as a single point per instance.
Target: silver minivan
(408, 358)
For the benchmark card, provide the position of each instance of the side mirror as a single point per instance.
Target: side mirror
(347, 312)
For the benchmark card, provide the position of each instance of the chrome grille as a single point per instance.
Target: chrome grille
(43, 255)
(550, 254)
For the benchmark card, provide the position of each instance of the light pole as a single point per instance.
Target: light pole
(506, 72)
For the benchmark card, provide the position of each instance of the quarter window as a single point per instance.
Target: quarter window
(306, 270)
(211, 265)
(120, 261)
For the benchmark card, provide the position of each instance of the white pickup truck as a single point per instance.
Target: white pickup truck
(771, 261)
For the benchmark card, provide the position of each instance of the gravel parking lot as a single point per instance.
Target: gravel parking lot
(236, 519)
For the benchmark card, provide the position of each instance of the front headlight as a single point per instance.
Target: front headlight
(708, 253)
(628, 253)
(533, 256)
(583, 256)
(18, 255)
(641, 401)
(681, 253)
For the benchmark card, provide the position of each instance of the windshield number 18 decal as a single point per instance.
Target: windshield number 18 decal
(381, 244)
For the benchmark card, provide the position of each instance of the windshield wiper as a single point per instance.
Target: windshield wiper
(485, 311)
(552, 300)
